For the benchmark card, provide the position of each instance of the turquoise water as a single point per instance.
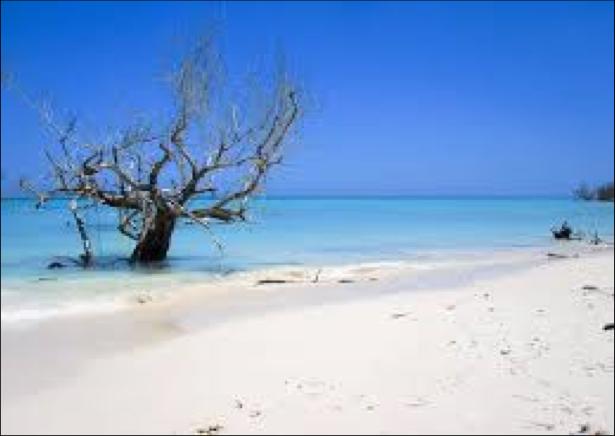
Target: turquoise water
(307, 230)
(284, 231)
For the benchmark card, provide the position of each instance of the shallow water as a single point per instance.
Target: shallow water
(281, 231)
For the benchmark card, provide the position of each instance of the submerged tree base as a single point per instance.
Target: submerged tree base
(155, 241)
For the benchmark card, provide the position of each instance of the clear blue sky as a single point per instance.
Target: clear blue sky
(412, 98)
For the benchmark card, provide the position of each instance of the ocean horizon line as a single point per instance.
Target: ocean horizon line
(371, 196)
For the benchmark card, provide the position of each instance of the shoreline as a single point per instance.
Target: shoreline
(338, 341)
(147, 287)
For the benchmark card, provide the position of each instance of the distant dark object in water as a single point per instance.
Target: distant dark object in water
(55, 265)
(595, 240)
(608, 326)
(564, 232)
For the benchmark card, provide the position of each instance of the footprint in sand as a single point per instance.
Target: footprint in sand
(526, 398)
(367, 403)
(398, 315)
(537, 347)
(314, 388)
(450, 384)
(255, 412)
(337, 408)
(541, 425)
(415, 402)
(311, 388)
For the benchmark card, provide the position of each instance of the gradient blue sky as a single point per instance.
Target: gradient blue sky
(408, 98)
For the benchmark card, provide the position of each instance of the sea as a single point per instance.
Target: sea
(279, 232)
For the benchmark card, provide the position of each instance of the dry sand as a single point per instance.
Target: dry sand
(520, 351)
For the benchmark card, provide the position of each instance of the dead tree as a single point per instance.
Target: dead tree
(207, 148)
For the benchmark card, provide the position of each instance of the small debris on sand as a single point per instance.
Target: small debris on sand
(212, 429)
(399, 315)
(548, 427)
(608, 326)
(255, 413)
(586, 429)
(317, 276)
(450, 307)
(590, 288)
(144, 298)
(345, 281)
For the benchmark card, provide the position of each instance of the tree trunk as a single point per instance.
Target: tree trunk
(87, 256)
(155, 240)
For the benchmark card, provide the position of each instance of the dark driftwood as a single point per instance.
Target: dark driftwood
(557, 255)
(563, 233)
(271, 281)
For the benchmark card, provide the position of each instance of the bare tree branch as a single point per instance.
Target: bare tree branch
(151, 175)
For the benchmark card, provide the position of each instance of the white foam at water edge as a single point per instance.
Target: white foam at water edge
(18, 316)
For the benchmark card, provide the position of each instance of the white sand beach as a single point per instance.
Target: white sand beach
(364, 217)
(519, 350)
